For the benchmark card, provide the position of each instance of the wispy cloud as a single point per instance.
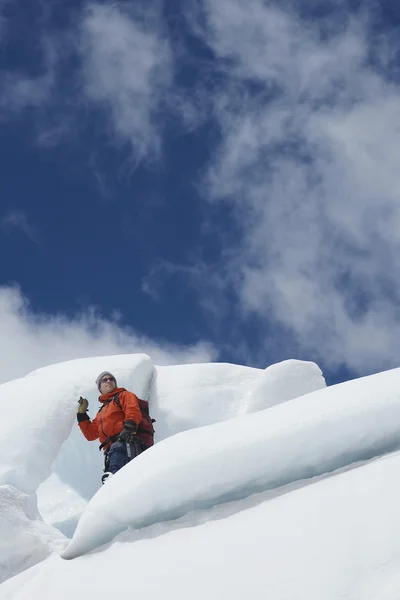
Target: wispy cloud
(309, 160)
(18, 220)
(115, 58)
(35, 340)
(21, 90)
(126, 69)
(307, 113)
(199, 276)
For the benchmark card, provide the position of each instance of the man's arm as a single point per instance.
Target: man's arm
(89, 428)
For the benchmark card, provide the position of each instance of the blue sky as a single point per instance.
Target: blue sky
(200, 180)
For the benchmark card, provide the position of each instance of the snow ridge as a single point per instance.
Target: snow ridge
(223, 434)
(181, 398)
(301, 439)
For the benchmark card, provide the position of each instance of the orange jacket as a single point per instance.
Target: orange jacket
(109, 420)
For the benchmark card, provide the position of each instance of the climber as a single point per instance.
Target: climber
(122, 424)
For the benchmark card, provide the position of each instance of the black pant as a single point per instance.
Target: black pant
(119, 454)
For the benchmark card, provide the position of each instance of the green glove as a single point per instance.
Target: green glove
(83, 405)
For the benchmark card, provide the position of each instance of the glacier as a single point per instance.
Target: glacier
(261, 481)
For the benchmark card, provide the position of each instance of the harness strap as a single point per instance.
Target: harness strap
(144, 408)
(111, 439)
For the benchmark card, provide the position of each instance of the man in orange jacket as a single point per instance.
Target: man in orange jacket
(115, 424)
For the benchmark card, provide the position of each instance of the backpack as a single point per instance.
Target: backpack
(145, 430)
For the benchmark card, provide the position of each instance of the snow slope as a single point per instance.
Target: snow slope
(308, 436)
(53, 445)
(297, 500)
(47, 399)
(181, 397)
(187, 396)
(335, 538)
(25, 539)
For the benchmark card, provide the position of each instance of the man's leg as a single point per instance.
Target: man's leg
(120, 454)
(117, 457)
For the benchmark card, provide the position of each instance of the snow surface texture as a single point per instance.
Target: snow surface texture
(53, 452)
(48, 399)
(295, 501)
(309, 436)
(25, 539)
(335, 539)
(204, 394)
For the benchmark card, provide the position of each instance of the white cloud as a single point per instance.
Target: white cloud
(126, 68)
(198, 275)
(309, 158)
(115, 58)
(30, 340)
(21, 90)
(18, 219)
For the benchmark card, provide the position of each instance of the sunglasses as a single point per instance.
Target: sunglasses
(105, 379)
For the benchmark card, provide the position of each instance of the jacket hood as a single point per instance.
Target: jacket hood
(105, 397)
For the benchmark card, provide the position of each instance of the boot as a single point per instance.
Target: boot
(106, 476)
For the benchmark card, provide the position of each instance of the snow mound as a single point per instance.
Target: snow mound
(337, 538)
(282, 382)
(61, 505)
(53, 460)
(181, 397)
(188, 396)
(309, 436)
(48, 400)
(279, 485)
(25, 539)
